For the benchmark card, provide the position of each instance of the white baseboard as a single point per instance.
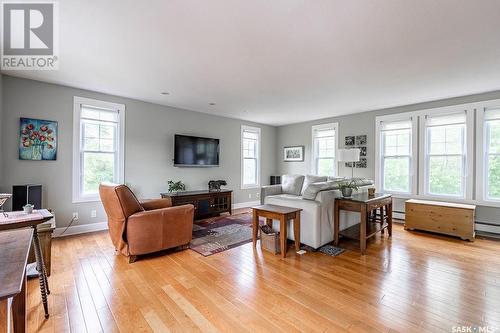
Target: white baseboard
(245, 204)
(494, 229)
(80, 229)
(399, 216)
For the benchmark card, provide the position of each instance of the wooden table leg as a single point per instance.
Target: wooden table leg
(283, 236)
(42, 278)
(382, 218)
(19, 309)
(336, 223)
(362, 230)
(269, 222)
(389, 219)
(296, 230)
(255, 227)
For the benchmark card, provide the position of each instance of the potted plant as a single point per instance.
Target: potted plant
(346, 187)
(175, 186)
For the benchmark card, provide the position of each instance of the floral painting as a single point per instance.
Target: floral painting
(38, 139)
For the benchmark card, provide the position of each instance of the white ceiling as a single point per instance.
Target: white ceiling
(281, 61)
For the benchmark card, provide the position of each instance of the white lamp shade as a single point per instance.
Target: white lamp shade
(349, 155)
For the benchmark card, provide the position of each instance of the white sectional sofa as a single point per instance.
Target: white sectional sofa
(315, 195)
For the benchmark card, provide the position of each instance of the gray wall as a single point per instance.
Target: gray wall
(148, 146)
(364, 123)
(1, 141)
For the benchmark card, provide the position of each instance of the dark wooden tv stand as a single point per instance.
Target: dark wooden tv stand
(206, 203)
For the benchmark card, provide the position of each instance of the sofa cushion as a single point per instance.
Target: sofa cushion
(312, 189)
(292, 184)
(309, 179)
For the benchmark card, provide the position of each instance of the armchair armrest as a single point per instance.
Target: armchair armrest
(159, 229)
(269, 190)
(152, 204)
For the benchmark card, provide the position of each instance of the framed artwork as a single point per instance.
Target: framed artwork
(361, 140)
(350, 140)
(362, 163)
(293, 154)
(37, 139)
(362, 152)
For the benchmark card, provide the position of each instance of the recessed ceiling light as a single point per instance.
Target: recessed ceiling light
(165, 93)
(211, 103)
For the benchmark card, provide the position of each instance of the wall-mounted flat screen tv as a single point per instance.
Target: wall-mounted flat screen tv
(195, 151)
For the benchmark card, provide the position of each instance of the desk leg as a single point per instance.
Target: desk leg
(40, 267)
(255, 227)
(336, 223)
(389, 219)
(19, 309)
(362, 230)
(283, 236)
(296, 230)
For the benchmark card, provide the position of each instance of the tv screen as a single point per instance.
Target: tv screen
(195, 151)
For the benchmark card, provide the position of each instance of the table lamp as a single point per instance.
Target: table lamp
(350, 156)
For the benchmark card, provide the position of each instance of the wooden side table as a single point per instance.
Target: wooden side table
(283, 214)
(364, 204)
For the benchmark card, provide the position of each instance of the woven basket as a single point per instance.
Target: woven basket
(270, 242)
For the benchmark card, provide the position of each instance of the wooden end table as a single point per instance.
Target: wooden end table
(368, 226)
(283, 214)
(17, 220)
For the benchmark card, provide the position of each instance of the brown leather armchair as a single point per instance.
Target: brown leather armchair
(139, 228)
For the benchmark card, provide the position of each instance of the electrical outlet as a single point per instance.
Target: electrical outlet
(93, 213)
(257, 195)
(75, 216)
(249, 195)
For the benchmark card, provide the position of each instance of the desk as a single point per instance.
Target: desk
(364, 204)
(17, 220)
(15, 247)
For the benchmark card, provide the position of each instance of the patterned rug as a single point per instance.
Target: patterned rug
(221, 233)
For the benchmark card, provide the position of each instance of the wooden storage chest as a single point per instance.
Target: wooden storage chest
(441, 217)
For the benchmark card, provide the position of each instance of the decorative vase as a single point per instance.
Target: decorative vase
(36, 152)
(346, 192)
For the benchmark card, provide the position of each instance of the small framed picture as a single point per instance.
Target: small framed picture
(350, 140)
(362, 152)
(361, 140)
(361, 164)
(293, 154)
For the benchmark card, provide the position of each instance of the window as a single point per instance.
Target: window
(250, 157)
(98, 139)
(445, 166)
(324, 139)
(492, 154)
(396, 155)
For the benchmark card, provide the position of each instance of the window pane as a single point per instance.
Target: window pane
(90, 113)
(107, 145)
(454, 136)
(90, 144)
(249, 171)
(107, 131)
(250, 135)
(249, 148)
(323, 133)
(97, 168)
(326, 167)
(437, 137)
(494, 177)
(397, 174)
(493, 130)
(91, 130)
(445, 175)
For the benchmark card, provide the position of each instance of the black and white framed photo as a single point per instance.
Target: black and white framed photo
(362, 163)
(361, 140)
(362, 151)
(293, 154)
(350, 140)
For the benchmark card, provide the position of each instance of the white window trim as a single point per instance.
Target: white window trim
(77, 197)
(335, 127)
(469, 152)
(258, 131)
(481, 164)
(413, 117)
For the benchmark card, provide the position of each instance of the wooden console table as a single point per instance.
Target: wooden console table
(368, 226)
(283, 214)
(206, 203)
(15, 247)
(17, 220)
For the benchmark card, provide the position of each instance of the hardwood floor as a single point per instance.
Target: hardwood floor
(414, 282)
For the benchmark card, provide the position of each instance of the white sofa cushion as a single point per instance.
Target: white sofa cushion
(313, 189)
(292, 184)
(310, 179)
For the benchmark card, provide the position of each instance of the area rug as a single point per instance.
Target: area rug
(221, 233)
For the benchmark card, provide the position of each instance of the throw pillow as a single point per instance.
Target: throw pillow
(313, 189)
(292, 184)
(309, 179)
